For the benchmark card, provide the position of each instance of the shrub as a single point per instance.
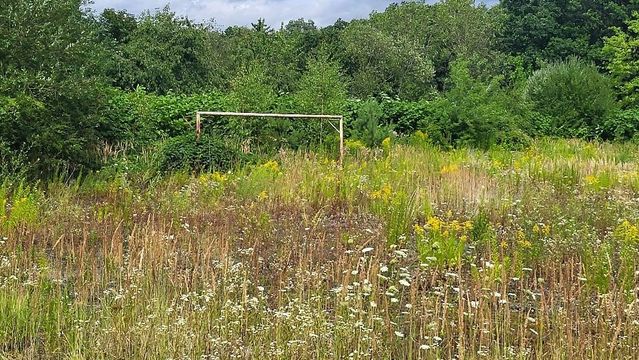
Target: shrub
(406, 117)
(574, 95)
(366, 126)
(621, 125)
(475, 112)
(206, 154)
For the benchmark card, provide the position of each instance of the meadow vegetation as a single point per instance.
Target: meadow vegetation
(487, 206)
(408, 251)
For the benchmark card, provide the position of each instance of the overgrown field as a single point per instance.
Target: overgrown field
(408, 252)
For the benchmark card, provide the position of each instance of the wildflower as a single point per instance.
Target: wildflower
(399, 334)
(421, 135)
(536, 229)
(448, 169)
(455, 225)
(400, 253)
(627, 232)
(272, 166)
(404, 282)
(367, 250)
(384, 193)
(386, 143)
(434, 223)
(591, 180)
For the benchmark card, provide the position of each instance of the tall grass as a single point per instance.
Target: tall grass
(409, 253)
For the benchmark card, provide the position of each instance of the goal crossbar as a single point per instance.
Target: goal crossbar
(340, 130)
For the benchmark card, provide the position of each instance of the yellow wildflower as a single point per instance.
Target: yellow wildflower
(386, 144)
(272, 166)
(434, 223)
(448, 169)
(455, 225)
(383, 194)
(421, 135)
(591, 180)
(536, 229)
(525, 244)
(627, 232)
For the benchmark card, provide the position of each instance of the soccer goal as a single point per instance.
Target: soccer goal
(339, 128)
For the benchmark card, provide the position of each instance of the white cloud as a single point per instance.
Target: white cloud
(243, 12)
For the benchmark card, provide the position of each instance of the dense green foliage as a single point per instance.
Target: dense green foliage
(551, 30)
(574, 97)
(76, 86)
(50, 82)
(206, 153)
(622, 51)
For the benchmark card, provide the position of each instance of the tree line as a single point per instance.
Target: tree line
(74, 82)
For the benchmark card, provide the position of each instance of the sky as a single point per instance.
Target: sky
(244, 12)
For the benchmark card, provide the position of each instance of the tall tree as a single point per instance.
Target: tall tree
(322, 89)
(165, 52)
(381, 63)
(290, 48)
(621, 52)
(261, 26)
(50, 81)
(251, 91)
(406, 50)
(550, 30)
(117, 25)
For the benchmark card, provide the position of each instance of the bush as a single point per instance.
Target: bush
(206, 154)
(621, 125)
(574, 96)
(366, 126)
(12, 163)
(406, 117)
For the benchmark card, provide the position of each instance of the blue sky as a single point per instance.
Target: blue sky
(243, 12)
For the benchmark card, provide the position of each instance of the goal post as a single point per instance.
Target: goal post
(340, 118)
